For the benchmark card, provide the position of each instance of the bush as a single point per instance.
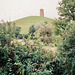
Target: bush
(67, 49)
(17, 33)
(45, 31)
(7, 31)
(3, 56)
(31, 29)
(20, 36)
(26, 36)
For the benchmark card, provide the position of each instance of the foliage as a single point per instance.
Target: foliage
(65, 28)
(31, 29)
(24, 60)
(7, 31)
(67, 10)
(31, 59)
(67, 14)
(67, 50)
(18, 29)
(26, 36)
(45, 31)
(3, 56)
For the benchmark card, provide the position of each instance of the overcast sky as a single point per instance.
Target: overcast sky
(15, 9)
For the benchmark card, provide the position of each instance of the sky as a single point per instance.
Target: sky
(15, 9)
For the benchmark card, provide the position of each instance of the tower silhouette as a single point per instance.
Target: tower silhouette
(42, 12)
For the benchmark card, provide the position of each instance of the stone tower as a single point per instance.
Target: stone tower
(42, 12)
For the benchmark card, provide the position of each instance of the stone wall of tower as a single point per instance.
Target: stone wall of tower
(41, 12)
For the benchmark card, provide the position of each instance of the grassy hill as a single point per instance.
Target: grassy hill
(26, 22)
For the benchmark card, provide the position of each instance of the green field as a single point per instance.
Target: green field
(26, 22)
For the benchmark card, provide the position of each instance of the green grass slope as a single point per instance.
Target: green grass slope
(26, 22)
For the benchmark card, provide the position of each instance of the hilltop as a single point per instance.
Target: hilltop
(26, 22)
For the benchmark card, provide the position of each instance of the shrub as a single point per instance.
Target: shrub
(45, 31)
(3, 56)
(18, 29)
(31, 29)
(26, 36)
(67, 49)
(20, 36)
(7, 31)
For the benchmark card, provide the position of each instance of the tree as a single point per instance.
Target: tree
(67, 10)
(45, 31)
(7, 31)
(66, 13)
(31, 29)
(65, 26)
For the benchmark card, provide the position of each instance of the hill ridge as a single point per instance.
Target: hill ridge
(26, 22)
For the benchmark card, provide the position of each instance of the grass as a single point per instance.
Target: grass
(26, 22)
